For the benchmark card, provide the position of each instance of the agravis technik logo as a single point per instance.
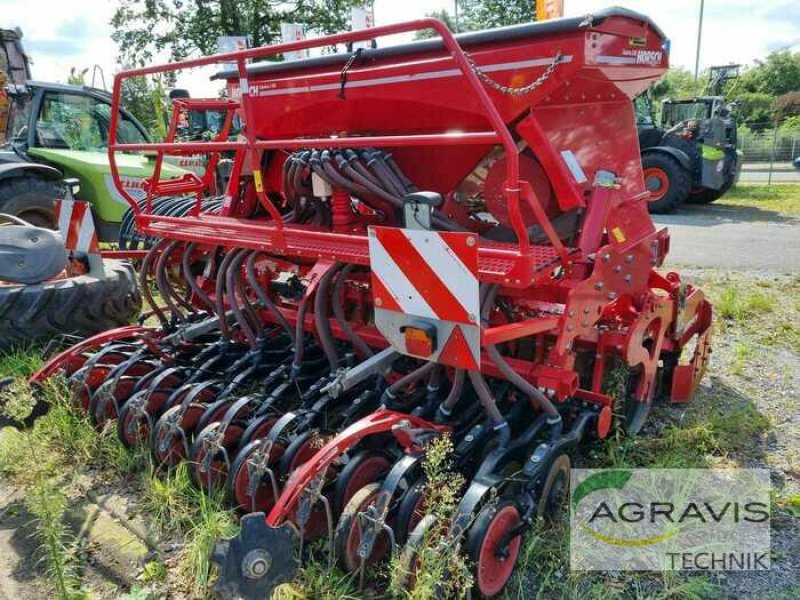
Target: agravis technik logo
(642, 519)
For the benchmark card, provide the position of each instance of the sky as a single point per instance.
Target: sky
(59, 35)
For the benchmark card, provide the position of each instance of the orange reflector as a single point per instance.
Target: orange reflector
(420, 341)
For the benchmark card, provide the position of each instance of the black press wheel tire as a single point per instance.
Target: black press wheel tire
(667, 181)
(82, 305)
(30, 198)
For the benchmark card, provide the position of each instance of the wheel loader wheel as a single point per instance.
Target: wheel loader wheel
(666, 180)
(494, 556)
(707, 196)
(82, 305)
(347, 537)
(555, 489)
(30, 198)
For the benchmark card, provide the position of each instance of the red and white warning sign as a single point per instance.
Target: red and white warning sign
(426, 292)
(77, 226)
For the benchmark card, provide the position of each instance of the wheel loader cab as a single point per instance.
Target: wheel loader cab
(66, 128)
(46, 115)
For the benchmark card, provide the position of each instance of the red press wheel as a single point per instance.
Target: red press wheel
(411, 510)
(259, 498)
(347, 538)
(83, 390)
(494, 561)
(168, 446)
(300, 452)
(217, 473)
(131, 429)
(364, 468)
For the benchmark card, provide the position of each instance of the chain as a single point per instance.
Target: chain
(516, 91)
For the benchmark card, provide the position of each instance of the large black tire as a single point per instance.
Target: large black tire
(30, 198)
(668, 182)
(82, 305)
(707, 196)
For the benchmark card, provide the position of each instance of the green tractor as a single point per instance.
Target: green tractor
(691, 156)
(54, 131)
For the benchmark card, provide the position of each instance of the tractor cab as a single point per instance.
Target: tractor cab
(54, 130)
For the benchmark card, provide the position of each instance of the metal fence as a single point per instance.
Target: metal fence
(769, 145)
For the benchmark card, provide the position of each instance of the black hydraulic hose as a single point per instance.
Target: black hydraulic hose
(364, 194)
(490, 406)
(300, 187)
(148, 260)
(190, 279)
(322, 317)
(163, 285)
(230, 290)
(409, 185)
(542, 401)
(163, 277)
(264, 298)
(338, 313)
(434, 383)
(300, 337)
(249, 310)
(391, 392)
(287, 180)
(358, 161)
(446, 407)
(336, 178)
(373, 188)
(386, 178)
(219, 292)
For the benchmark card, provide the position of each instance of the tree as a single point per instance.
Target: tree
(76, 77)
(787, 105)
(146, 102)
(754, 109)
(144, 29)
(778, 74)
(444, 16)
(677, 83)
(486, 14)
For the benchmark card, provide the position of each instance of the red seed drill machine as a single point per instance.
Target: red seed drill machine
(446, 237)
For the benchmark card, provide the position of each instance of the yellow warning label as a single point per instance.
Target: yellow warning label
(618, 235)
(259, 183)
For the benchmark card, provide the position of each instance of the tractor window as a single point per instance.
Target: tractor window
(77, 122)
(67, 122)
(18, 119)
(674, 113)
(127, 131)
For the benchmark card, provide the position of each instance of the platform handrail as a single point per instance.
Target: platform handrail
(504, 137)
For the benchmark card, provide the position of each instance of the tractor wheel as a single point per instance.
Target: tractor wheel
(493, 555)
(82, 305)
(31, 199)
(666, 180)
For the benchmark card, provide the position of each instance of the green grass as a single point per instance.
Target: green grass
(784, 199)
(21, 361)
(721, 428)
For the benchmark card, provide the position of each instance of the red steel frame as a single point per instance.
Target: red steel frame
(513, 266)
